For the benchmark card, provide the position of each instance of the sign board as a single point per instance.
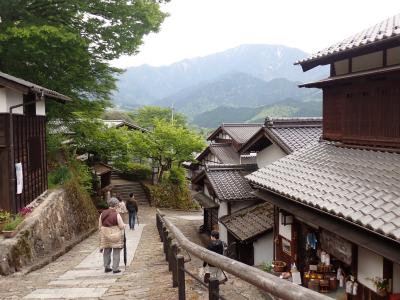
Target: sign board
(336, 246)
(296, 278)
(18, 175)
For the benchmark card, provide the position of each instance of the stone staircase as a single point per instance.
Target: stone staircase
(123, 188)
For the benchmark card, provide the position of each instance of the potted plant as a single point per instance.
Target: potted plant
(4, 218)
(9, 229)
(381, 285)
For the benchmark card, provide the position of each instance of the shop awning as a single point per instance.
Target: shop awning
(205, 201)
(356, 234)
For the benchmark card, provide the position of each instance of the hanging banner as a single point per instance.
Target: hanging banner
(18, 175)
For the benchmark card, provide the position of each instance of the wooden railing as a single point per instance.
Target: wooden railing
(174, 241)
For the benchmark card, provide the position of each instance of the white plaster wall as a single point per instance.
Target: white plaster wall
(370, 265)
(342, 67)
(269, 155)
(285, 230)
(396, 278)
(264, 249)
(222, 211)
(393, 56)
(14, 98)
(3, 100)
(367, 61)
(41, 108)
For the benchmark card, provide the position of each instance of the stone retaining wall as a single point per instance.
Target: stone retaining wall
(59, 220)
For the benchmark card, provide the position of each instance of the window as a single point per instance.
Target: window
(35, 152)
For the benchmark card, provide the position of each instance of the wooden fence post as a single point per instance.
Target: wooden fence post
(213, 289)
(180, 262)
(174, 252)
(169, 255)
(165, 235)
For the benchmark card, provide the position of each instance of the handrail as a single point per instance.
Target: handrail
(263, 280)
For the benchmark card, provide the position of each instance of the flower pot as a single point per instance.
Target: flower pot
(9, 234)
(279, 266)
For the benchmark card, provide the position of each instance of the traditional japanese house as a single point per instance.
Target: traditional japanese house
(222, 152)
(225, 192)
(22, 140)
(123, 123)
(337, 202)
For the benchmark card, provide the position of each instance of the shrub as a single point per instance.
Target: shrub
(13, 223)
(176, 176)
(25, 211)
(58, 176)
(135, 171)
(4, 215)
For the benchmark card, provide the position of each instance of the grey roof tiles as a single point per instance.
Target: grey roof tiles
(239, 132)
(229, 184)
(250, 222)
(362, 186)
(387, 29)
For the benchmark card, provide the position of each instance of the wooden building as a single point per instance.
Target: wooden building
(23, 140)
(226, 196)
(338, 202)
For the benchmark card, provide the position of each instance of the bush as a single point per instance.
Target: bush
(169, 195)
(4, 215)
(13, 224)
(176, 176)
(135, 171)
(58, 176)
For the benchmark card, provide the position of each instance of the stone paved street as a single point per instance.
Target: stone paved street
(79, 274)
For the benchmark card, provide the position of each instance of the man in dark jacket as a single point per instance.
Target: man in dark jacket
(132, 207)
(217, 246)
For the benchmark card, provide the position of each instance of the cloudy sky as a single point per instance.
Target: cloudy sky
(201, 27)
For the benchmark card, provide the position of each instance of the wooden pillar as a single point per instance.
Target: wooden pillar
(180, 262)
(213, 289)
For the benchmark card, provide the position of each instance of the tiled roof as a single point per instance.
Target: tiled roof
(229, 185)
(6, 78)
(239, 132)
(204, 201)
(250, 222)
(387, 29)
(291, 134)
(121, 123)
(225, 153)
(362, 186)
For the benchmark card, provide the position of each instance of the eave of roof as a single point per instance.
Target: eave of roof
(26, 87)
(360, 186)
(384, 32)
(348, 77)
(250, 222)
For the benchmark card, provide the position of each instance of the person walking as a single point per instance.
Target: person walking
(121, 209)
(111, 236)
(132, 207)
(217, 246)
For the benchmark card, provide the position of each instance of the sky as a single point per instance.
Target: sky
(202, 27)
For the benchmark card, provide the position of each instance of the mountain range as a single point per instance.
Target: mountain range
(248, 76)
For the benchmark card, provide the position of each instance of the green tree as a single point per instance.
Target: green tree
(66, 45)
(146, 116)
(168, 144)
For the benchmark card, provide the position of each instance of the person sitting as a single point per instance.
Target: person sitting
(111, 236)
(132, 207)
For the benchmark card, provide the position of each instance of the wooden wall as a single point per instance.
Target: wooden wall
(364, 112)
(30, 150)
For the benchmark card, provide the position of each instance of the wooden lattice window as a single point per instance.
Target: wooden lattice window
(35, 153)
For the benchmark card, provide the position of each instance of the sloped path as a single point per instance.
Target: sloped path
(79, 273)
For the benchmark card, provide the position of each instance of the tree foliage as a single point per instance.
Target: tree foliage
(147, 116)
(65, 45)
(166, 145)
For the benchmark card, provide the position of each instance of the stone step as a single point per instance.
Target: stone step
(67, 293)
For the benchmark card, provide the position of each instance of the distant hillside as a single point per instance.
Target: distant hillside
(237, 90)
(286, 108)
(146, 84)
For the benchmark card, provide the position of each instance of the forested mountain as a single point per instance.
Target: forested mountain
(148, 85)
(286, 108)
(236, 90)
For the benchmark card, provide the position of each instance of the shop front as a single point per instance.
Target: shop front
(324, 261)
